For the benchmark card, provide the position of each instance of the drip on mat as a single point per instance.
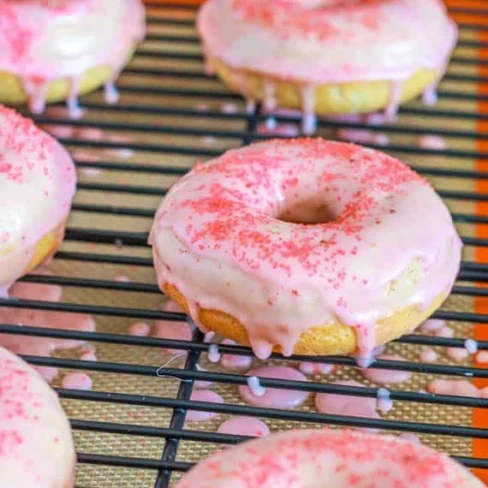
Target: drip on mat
(131, 428)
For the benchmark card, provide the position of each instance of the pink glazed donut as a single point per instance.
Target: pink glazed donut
(37, 185)
(328, 56)
(53, 50)
(36, 446)
(305, 246)
(332, 459)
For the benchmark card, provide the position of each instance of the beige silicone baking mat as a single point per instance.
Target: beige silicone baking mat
(130, 429)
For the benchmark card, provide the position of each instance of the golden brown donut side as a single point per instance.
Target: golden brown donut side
(12, 90)
(331, 339)
(330, 99)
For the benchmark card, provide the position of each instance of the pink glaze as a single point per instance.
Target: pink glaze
(234, 362)
(428, 355)
(37, 184)
(436, 143)
(36, 447)
(122, 278)
(38, 318)
(140, 329)
(89, 356)
(225, 236)
(77, 381)
(457, 353)
(329, 458)
(316, 368)
(248, 426)
(386, 376)
(482, 357)
(45, 41)
(432, 326)
(315, 43)
(347, 405)
(279, 130)
(275, 397)
(453, 387)
(203, 396)
(172, 329)
(363, 136)
(408, 436)
(445, 332)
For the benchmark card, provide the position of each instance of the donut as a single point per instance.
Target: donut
(57, 50)
(333, 458)
(305, 246)
(36, 446)
(37, 184)
(328, 56)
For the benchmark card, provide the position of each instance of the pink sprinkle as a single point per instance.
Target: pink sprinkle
(435, 143)
(428, 355)
(248, 426)
(140, 329)
(203, 396)
(77, 381)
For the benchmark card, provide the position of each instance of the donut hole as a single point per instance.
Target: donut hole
(307, 212)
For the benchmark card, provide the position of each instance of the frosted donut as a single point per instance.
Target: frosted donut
(36, 446)
(305, 246)
(328, 56)
(52, 51)
(37, 184)
(332, 458)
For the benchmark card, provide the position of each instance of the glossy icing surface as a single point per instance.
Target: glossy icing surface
(37, 184)
(226, 237)
(36, 448)
(274, 397)
(46, 40)
(328, 41)
(327, 458)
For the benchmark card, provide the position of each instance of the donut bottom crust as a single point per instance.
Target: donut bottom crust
(330, 99)
(12, 89)
(46, 247)
(331, 339)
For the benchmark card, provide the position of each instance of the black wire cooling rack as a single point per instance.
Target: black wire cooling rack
(171, 114)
